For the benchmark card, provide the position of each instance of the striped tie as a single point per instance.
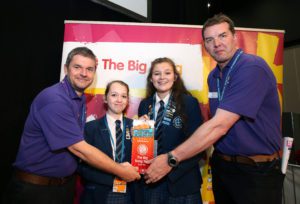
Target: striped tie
(118, 141)
(158, 125)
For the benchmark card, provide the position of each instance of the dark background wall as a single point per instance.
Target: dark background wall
(32, 37)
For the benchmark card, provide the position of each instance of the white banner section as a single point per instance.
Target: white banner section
(131, 62)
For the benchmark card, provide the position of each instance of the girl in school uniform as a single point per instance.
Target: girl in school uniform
(177, 115)
(110, 134)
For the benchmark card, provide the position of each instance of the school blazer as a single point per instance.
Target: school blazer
(185, 178)
(97, 134)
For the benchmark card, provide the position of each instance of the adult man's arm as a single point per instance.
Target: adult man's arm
(98, 159)
(205, 136)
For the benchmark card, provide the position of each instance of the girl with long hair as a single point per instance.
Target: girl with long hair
(177, 115)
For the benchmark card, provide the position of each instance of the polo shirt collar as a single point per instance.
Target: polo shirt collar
(218, 71)
(70, 89)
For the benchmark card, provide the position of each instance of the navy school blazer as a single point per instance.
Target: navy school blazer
(99, 183)
(185, 178)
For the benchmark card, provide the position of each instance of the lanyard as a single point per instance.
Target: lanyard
(221, 95)
(114, 145)
(83, 114)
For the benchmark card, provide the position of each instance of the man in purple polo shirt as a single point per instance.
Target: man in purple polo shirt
(245, 127)
(53, 139)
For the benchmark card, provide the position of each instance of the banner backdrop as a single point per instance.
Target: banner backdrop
(125, 52)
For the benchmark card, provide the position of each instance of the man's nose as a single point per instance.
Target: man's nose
(217, 42)
(83, 72)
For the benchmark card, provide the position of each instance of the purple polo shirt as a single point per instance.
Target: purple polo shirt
(251, 92)
(55, 121)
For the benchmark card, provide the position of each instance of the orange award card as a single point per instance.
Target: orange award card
(142, 143)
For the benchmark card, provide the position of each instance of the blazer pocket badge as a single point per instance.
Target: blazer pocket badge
(177, 122)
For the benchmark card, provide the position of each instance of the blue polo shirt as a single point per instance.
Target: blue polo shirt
(251, 92)
(55, 121)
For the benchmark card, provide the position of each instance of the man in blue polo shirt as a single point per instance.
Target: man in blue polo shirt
(53, 137)
(245, 127)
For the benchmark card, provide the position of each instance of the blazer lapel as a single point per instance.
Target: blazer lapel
(105, 137)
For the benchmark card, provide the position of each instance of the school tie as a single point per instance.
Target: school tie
(158, 125)
(118, 141)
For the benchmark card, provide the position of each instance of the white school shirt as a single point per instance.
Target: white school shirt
(157, 104)
(111, 122)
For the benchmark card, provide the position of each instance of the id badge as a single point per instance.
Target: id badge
(213, 95)
(119, 185)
